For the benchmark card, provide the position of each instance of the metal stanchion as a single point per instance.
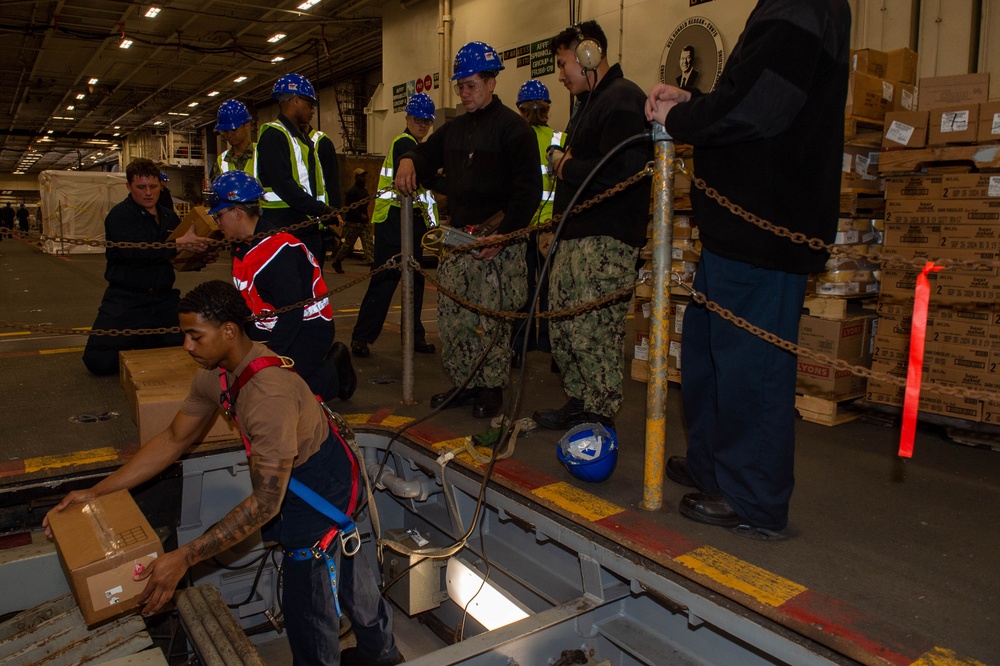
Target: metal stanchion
(406, 321)
(656, 393)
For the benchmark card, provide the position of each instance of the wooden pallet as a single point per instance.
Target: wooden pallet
(839, 307)
(980, 156)
(862, 203)
(826, 412)
(865, 132)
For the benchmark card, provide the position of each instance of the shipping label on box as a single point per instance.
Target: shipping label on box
(101, 545)
(953, 124)
(989, 122)
(905, 129)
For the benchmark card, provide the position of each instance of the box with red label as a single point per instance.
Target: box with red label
(843, 339)
(102, 544)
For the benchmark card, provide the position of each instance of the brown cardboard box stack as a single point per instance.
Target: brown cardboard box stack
(946, 216)
(155, 382)
(950, 110)
(848, 339)
(102, 544)
(881, 82)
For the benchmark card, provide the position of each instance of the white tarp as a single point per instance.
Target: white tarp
(74, 205)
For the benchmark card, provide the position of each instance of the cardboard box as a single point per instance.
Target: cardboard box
(905, 129)
(989, 122)
(101, 544)
(953, 124)
(842, 339)
(859, 169)
(869, 96)
(822, 380)
(970, 186)
(900, 235)
(901, 65)
(155, 409)
(884, 393)
(938, 91)
(869, 61)
(926, 187)
(904, 97)
(204, 226)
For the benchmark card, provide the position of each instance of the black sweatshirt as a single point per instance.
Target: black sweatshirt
(770, 136)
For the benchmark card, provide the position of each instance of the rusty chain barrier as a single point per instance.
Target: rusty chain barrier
(884, 259)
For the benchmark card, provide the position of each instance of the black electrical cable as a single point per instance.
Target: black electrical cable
(256, 579)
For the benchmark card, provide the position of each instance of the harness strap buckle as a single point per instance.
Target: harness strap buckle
(350, 542)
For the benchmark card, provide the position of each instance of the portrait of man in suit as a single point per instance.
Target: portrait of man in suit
(689, 75)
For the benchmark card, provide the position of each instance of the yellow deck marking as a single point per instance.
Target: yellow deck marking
(7, 335)
(734, 573)
(448, 444)
(61, 350)
(396, 421)
(79, 458)
(357, 419)
(939, 656)
(578, 501)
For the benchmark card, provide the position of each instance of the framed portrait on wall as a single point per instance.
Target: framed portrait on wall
(693, 56)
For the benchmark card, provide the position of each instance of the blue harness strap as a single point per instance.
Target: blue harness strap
(348, 530)
(303, 554)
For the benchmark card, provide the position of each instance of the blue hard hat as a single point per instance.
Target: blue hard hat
(232, 114)
(420, 106)
(533, 91)
(293, 84)
(231, 188)
(164, 177)
(476, 57)
(589, 451)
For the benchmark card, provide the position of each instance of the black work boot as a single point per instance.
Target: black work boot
(345, 370)
(488, 403)
(569, 415)
(462, 398)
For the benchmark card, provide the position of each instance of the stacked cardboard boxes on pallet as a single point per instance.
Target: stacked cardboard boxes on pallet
(155, 382)
(946, 216)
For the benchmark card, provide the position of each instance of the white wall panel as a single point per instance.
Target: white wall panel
(989, 45)
(946, 37)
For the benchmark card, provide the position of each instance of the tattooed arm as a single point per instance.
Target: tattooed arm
(269, 477)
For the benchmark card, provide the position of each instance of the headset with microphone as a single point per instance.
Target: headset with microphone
(588, 51)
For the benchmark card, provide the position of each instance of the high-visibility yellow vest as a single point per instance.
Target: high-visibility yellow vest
(300, 170)
(225, 165)
(388, 199)
(546, 137)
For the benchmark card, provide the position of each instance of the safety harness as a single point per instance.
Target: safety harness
(350, 540)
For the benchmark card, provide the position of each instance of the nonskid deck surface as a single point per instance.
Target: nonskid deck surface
(897, 559)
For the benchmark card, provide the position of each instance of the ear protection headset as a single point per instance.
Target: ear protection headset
(588, 52)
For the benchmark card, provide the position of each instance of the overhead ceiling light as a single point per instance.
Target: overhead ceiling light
(125, 44)
(61, 118)
(158, 122)
(152, 12)
(213, 93)
(277, 59)
(177, 113)
(70, 107)
(192, 105)
(239, 79)
(117, 134)
(118, 126)
(80, 96)
(92, 82)
(277, 37)
(308, 3)
(50, 132)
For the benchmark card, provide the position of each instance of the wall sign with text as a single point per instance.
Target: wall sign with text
(694, 55)
(402, 92)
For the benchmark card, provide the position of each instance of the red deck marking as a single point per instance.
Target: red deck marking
(15, 540)
(430, 433)
(527, 477)
(840, 619)
(379, 416)
(11, 468)
(634, 527)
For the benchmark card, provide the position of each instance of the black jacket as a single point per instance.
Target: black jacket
(138, 270)
(490, 161)
(274, 170)
(602, 119)
(770, 137)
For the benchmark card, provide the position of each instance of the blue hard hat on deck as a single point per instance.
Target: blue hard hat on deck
(476, 57)
(293, 84)
(231, 188)
(533, 91)
(420, 106)
(232, 114)
(589, 451)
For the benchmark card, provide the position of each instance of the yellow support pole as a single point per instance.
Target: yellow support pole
(659, 339)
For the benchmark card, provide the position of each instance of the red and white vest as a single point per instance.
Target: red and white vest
(246, 270)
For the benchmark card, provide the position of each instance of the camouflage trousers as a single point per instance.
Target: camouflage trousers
(350, 234)
(588, 348)
(499, 283)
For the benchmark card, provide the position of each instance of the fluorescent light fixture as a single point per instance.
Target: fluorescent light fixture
(308, 3)
(277, 59)
(50, 131)
(118, 126)
(158, 122)
(125, 44)
(61, 118)
(213, 93)
(152, 12)
(192, 105)
(277, 37)
(239, 79)
(70, 107)
(80, 96)
(117, 134)
(491, 606)
(177, 113)
(92, 82)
